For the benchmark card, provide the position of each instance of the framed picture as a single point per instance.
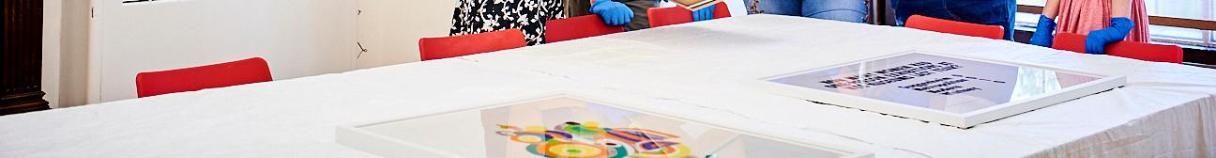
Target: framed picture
(567, 126)
(954, 91)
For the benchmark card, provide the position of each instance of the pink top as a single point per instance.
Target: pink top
(1082, 16)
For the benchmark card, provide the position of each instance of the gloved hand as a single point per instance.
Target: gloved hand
(613, 13)
(1044, 33)
(1097, 40)
(703, 14)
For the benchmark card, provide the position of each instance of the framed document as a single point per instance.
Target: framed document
(954, 91)
(566, 126)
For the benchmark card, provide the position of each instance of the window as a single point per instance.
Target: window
(1188, 9)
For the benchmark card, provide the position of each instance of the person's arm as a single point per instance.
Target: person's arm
(1121, 8)
(1120, 26)
(1051, 9)
(1045, 31)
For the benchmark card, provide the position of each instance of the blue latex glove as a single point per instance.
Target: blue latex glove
(1044, 33)
(1097, 40)
(703, 14)
(613, 13)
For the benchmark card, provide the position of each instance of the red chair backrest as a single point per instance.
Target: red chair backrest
(246, 71)
(558, 30)
(1069, 42)
(454, 46)
(679, 15)
(1146, 51)
(955, 27)
(1127, 49)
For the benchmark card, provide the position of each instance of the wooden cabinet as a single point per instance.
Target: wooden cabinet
(21, 59)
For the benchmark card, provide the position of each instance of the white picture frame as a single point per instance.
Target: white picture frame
(961, 120)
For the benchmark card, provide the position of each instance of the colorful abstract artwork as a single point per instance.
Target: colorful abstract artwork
(589, 140)
(567, 127)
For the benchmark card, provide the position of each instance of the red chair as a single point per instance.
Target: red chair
(246, 71)
(1135, 50)
(1146, 51)
(1069, 42)
(955, 27)
(578, 27)
(679, 15)
(453, 46)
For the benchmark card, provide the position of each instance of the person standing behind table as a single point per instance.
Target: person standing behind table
(632, 13)
(478, 16)
(1104, 21)
(838, 10)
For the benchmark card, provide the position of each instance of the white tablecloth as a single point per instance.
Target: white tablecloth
(696, 71)
(1165, 109)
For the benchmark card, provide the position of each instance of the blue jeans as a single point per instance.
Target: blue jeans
(988, 12)
(839, 10)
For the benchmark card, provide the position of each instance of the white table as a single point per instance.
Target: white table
(693, 71)
(1164, 109)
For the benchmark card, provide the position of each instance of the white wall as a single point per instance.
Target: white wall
(74, 53)
(65, 52)
(52, 15)
(390, 29)
(297, 37)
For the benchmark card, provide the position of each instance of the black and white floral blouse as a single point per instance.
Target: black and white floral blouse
(477, 16)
